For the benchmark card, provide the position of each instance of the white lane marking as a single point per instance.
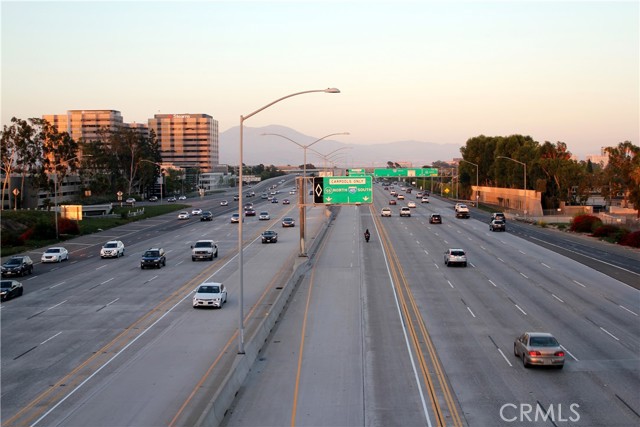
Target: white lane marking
(483, 248)
(55, 286)
(471, 312)
(50, 338)
(112, 302)
(625, 308)
(426, 252)
(569, 353)
(102, 266)
(521, 252)
(450, 284)
(107, 281)
(610, 334)
(437, 266)
(518, 307)
(545, 265)
(524, 275)
(494, 285)
(578, 283)
(60, 303)
(553, 295)
(500, 259)
(505, 357)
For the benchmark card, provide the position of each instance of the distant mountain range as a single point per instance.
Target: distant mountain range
(275, 150)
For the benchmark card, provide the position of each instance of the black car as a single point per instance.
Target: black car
(153, 257)
(435, 219)
(17, 266)
(10, 289)
(249, 212)
(206, 216)
(269, 236)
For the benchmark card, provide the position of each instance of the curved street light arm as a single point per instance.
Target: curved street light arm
(328, 90)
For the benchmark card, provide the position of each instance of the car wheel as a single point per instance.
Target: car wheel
(21, 291)
(193, 259)
(216, 254)
(524, 361)
(515, 351)
(164, 263)
(464, 264)
(559, 366)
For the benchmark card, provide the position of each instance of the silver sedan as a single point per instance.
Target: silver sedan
(539, 348)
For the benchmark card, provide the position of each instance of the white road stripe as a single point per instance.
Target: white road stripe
(518, 307)
(505, 357)
(610, 334)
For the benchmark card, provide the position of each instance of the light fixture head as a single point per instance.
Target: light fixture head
(332, 90)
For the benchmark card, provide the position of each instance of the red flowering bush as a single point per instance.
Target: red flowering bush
(68, 226)
(631, 239)
(585, 223)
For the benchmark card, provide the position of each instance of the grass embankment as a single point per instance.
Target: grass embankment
(27, 230)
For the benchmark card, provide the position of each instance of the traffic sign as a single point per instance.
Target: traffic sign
(356, 172)
(410, 172)
(342, 190)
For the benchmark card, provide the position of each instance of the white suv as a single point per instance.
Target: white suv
(405, 211)
(385, 212)
(112, 249)
(455, 256)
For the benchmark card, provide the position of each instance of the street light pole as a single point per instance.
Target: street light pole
(240, 176)
(303, 205)
(477, 183)
(524, 210)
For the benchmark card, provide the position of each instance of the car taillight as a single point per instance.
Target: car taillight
(559, 353)
(534, 353)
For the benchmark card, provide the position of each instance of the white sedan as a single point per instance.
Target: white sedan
(55, 254)
(184, 215)
(196, 211)
(411, 204)
(224, 203)
(210, 294)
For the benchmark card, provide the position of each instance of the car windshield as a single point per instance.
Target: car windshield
(457, 253)
(14, 261)
(152, 254)
(209, 289)
(203, 245)
(543, 342)
(111, 245)
(6, 284)
(52, 251)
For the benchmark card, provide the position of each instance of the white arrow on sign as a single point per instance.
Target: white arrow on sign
(328, 199)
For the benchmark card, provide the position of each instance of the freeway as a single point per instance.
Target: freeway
(384, 334)
(101, 342)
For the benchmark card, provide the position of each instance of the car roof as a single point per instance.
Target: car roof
(539, 334)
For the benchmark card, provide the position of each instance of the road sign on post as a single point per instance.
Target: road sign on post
(342, 190)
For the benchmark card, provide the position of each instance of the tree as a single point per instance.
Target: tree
(623, 172)
(8, 156)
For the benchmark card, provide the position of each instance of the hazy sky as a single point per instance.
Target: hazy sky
(424, 70)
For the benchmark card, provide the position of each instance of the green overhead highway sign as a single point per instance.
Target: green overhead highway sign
(356, 172)
(342, 190)
(410, 172)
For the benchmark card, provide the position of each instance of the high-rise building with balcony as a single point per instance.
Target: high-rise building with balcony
(85, 124)
(187, 140)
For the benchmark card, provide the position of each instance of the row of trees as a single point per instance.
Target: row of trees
(550, 170)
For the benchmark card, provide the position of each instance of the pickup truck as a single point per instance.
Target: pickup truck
(462, 211)
(204, 249)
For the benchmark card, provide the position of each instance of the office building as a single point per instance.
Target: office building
(86, 124)
(187, 140)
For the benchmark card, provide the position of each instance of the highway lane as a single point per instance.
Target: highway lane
(74, 310)
(473, 315)
(514, 286)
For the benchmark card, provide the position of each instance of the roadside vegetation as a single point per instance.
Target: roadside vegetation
(27, 230)
(593, 226)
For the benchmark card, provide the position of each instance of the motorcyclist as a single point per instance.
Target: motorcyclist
(367, 235)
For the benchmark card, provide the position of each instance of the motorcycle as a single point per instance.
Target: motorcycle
(367, 236)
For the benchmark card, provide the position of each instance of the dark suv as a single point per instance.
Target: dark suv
(153, 257)
(499, 216)
(17, 266)
(206, 216)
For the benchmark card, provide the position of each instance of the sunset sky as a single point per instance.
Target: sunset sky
(431, 71)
